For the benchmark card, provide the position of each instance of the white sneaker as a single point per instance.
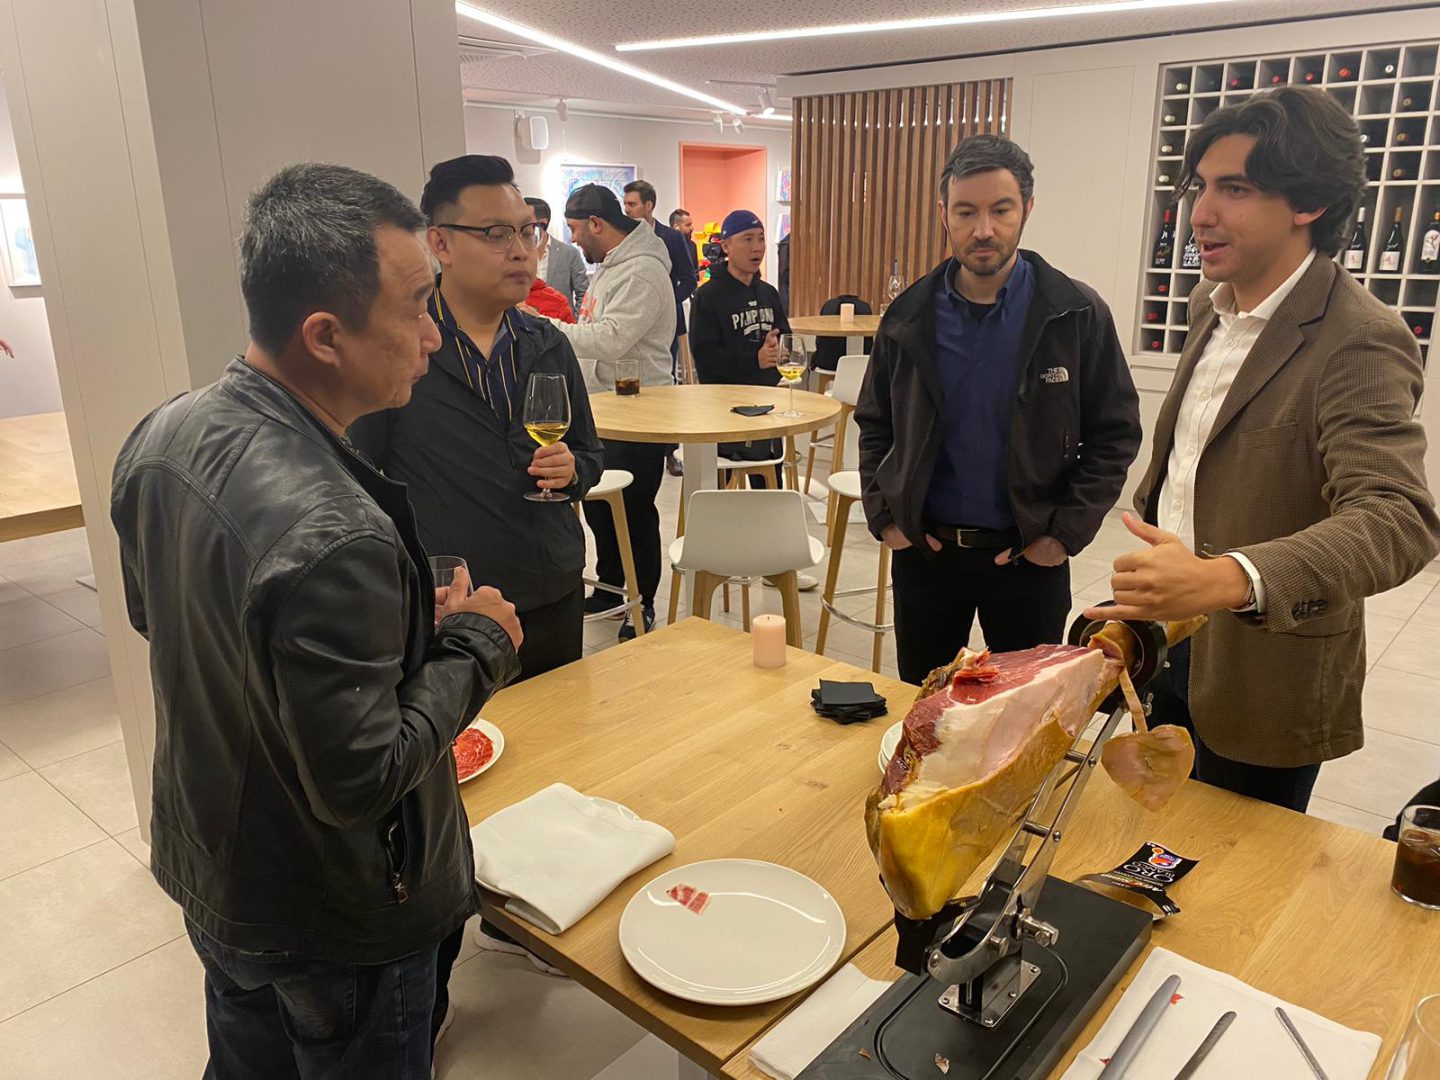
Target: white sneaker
(490, 943)
(805, 582)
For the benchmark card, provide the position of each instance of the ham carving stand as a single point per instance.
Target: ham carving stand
(1002, 983)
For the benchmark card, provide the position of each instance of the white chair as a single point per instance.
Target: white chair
(849, 377)
(845, 493)
(610, 489)
(747, 534)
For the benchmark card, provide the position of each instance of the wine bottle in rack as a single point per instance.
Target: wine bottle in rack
(1163, 289)
(1169, 149)
(1364, 139)
(1402, 137)
(1276, 80)
(1170, 119)
(1430, 247)
(1345, 74)
(1181, 87)
(1152, 316)
(1164, 180)
(1164, 252)
(1409, 103)
(1394, 249)
(1354, 257)
(1156, 345)
(1388, 71)
(1312, 76)
(1190, 256)
(1241, 82)
(1402, 173)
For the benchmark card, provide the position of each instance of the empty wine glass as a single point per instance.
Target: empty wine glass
(547, 418)
(791, 365)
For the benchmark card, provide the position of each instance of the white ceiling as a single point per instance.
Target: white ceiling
(543, 78)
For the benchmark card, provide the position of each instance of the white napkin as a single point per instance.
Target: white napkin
(558, 853)
(816, 1023)
(1256, 1044)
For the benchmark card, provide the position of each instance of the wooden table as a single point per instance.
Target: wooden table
(698, 417)
(681, 727)
(38, 492)
(835, 326)
(1293, 905)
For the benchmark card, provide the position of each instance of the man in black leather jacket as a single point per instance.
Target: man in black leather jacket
(306, 814)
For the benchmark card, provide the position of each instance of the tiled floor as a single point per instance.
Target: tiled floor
(97, 979)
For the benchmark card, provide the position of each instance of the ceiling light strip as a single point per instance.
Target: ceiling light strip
(1105, 7)
(470, 11)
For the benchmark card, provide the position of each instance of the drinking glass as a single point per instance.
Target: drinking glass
(1417, 857)
(1418, 1057)
(547, 418)
(791, 365)
(627, 377)
(442, 569)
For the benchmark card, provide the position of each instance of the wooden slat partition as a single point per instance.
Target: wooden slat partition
(864, 172)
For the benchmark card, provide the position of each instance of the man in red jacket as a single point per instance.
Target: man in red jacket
(549, 302)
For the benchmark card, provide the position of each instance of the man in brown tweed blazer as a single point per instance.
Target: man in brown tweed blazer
(1286, 481)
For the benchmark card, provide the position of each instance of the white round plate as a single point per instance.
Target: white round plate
(496, 736)
(765, 932)
(888, 742)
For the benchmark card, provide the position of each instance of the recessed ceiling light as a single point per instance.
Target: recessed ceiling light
(470, 11)
(1105, 7)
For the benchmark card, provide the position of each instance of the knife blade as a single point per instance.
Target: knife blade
(1295, 1034)
(1140, 1030)
(1205, 1047)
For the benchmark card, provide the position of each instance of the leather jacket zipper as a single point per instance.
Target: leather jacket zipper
(394, 830)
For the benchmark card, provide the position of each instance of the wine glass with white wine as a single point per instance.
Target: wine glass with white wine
(547, 419)
(791, 365)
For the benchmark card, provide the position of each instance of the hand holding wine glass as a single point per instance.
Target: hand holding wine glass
(791, 364)
(547, 419)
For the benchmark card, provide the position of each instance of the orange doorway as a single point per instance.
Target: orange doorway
(718, 178)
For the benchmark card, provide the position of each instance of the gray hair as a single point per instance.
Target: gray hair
(985, 153)
(309, 245)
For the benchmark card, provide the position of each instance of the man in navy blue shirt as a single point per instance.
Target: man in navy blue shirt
(997, 421)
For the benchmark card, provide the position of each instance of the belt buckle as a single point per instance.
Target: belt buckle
(960, 539)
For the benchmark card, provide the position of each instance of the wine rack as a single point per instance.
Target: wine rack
(1393, 91)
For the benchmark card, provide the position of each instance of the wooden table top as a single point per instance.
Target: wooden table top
(834, 326)
(1293, 905)
(38, 492)
(680, 726)
(701, 413)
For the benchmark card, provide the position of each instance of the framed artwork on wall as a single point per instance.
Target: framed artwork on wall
(615, 177)
(21, 267)
(782, 185)
(782, 225)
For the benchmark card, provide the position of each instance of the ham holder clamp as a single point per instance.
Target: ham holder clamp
(1002, 983)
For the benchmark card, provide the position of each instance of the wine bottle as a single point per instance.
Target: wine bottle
(1164, 180)
(1394, 246)
(1167, 149)
(1388, 71)
(1164, 252)
(1402, 137)
(1152, 316)
(1312, 76)
(1190, 256)
(1181, 87)
(1401, 174)
(1276, 80)
(1156, 345)
(1430, 247)
(1170, 119)
(1354, 258)
(1240, 82)
(1364, 139)
(1163, 289)
(1345, 74)
(1409, 104)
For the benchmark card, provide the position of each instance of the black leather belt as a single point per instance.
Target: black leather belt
(979, 539)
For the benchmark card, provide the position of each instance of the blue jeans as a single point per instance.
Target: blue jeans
(281, 1016)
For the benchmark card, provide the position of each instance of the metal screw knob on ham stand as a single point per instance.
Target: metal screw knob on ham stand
(1002, 983)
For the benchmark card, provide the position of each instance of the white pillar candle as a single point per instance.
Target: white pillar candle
(847, 312)
(768, 632)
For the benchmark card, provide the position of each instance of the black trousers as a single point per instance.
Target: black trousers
(1170, 704)
(646, 462)
(554, 634)
(938, 594)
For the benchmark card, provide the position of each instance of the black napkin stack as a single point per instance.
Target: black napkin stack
(847, 702)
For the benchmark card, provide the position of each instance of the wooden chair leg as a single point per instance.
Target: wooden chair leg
(745, 603)
(725, 598)
(809, 464)
(702, 593)
(836, 540)
(881, 580)
(677, 582)
(627, 560)
(788, 584)
(792, 463)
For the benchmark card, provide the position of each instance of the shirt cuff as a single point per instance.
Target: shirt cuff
(1258, 607)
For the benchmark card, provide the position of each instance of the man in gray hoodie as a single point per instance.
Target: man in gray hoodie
(628, 313)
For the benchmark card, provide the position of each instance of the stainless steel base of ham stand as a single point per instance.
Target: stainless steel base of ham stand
(1013, 981)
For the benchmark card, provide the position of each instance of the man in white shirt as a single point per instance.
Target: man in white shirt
(561, 266)
(1286, 480)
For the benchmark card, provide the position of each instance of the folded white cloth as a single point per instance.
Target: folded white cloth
(558, 853)
(1256, 1044)
(816, 1023)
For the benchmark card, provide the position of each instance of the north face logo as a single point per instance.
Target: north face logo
(1055, 375)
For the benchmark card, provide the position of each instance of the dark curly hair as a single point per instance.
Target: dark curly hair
(1307, 148)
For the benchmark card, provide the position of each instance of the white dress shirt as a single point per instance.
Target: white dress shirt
(544, 268)
(1230, 343)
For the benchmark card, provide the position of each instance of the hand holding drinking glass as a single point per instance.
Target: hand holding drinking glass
(791, 364)
(547, 418)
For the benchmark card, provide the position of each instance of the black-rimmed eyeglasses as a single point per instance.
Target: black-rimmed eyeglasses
(500, 237)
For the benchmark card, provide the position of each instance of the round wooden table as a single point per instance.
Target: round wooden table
(835, 326)
(698, 417)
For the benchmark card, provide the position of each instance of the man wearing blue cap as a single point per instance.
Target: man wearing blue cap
(736, 320)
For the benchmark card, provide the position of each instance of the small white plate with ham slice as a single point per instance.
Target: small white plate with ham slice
(732, 932)
(477, 748)
(888, 743)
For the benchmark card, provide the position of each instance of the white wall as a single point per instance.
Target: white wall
(1086, 116)
(651, 144)
(28, 383)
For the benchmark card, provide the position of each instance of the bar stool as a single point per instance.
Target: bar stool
(733, 469)
(845, 388)
(845, 493)
(610, 489)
